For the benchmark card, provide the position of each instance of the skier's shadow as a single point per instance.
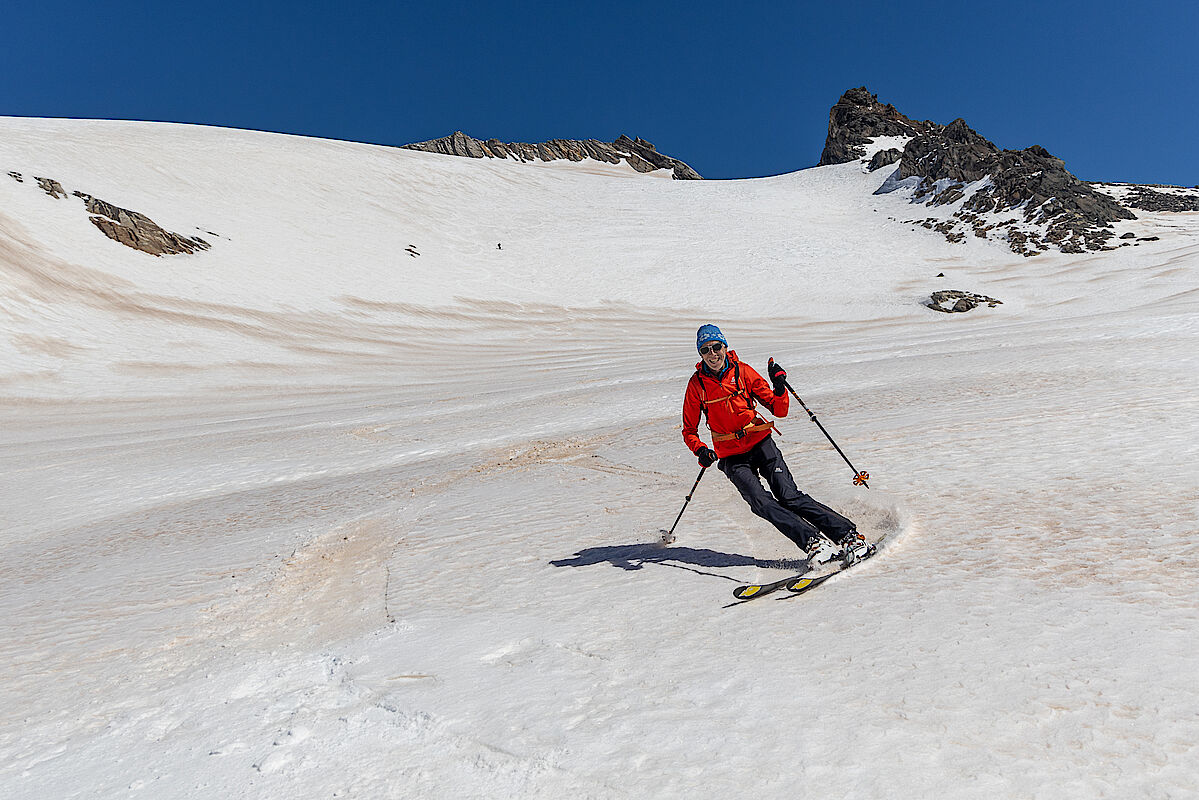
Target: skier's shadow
(636, 556)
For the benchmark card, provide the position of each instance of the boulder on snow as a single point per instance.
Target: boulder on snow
(955, 301)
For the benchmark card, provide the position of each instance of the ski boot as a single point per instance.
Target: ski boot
(855, 548)
(821, 550)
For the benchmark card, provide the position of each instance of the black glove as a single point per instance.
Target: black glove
(707, 456)
(778, 376)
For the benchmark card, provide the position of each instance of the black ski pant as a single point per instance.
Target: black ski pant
(796, 515)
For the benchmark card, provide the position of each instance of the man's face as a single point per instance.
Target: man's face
(713, 355)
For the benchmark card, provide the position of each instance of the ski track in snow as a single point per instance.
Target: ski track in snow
(307, 516)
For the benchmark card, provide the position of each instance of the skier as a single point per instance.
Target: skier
(724, 389)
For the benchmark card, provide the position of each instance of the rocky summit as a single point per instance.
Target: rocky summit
(956, 167)
(637, 153)
(856, 120)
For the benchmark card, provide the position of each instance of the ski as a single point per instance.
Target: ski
(755, 590)
(797, 584)
(803, 583)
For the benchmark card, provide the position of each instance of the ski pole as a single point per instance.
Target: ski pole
(668, 535)
(859, 478)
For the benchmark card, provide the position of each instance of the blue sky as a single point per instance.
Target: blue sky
(736, 89)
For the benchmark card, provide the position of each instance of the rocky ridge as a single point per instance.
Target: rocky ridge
(1147, 199)
(637, 153)
(953, 165)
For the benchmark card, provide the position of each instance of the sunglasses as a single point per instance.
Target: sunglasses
(715, 347)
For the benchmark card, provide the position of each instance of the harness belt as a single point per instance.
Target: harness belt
(753, 427)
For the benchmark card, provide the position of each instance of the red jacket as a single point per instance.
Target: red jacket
(729, 401)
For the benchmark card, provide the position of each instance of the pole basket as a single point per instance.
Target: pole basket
(861, 478)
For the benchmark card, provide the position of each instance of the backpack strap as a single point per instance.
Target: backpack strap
(758, 423)
(736, 382)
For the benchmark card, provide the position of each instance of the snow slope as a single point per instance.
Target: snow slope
(306, 515)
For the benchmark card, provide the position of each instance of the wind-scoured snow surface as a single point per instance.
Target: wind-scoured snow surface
(306, 515)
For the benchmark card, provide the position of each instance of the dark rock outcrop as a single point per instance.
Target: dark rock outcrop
(638, 153)
(1149, 200)
(884, 158)
(137, 230)
(856, 119)
(1075, 216)
(940, 163)
(955, 301)
(122, 225)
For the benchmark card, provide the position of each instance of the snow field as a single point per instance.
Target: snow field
(401, 545)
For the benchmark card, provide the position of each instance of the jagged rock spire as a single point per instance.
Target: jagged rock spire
(859, 117)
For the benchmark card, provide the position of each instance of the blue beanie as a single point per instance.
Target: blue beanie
(709, 333)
